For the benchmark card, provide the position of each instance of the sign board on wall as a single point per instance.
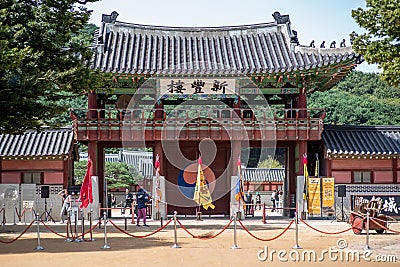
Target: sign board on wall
(212, 86)
(390, 204)
(328, 196)
(314, 196)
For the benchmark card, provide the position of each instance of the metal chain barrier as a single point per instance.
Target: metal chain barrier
(66, 236)
(267, 239)
(323, 232)
(20, 215)
(204, 237)
(23, 232)
(375, 220)
(140, 236)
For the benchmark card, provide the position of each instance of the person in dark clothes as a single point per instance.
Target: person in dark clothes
(258, 200)
(141, 200)
(128, 201)
(248, 198)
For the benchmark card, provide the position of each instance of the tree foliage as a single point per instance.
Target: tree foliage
(381, 43)
(270, 162)
(117, 174)
(42, 60)
(360, 99)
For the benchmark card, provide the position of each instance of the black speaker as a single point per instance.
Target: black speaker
(341, 190)
(45, 191)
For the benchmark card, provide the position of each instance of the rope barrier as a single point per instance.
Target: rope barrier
(140, 236)
(322, 232)
(19, 215)
(384, 227)
(205, 237)
(65, 236)
(9, 242)
(268, 239)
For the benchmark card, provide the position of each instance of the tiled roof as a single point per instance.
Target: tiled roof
(46, 143)
(362, 140)
(258, 48)
(263, 174)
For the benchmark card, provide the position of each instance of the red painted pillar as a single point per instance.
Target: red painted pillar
(97, 168)
(92, 104)
(159, 111)
(299, 158)
(302, 103)
(158, 151)
(236, 151)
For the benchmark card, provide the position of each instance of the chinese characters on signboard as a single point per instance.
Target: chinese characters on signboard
(390, 204)
(197, 86)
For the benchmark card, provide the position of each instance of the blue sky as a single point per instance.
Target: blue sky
(319, 20)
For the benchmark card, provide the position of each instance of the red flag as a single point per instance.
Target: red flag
(158, 193)
(157, 163)
(86, 195)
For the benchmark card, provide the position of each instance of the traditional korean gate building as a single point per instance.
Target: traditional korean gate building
(157, 70)
(364, 160)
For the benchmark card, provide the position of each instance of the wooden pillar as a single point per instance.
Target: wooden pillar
(302, 104)
(301, 151)
(92, 104)
(158, 151)
(291, 179)
(328, 167)
(66, 173)
(236, 153)
(96, 154)
(159, 111)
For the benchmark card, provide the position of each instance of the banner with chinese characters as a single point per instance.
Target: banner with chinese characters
(314, 196)
(209, 86)
(328, 196)
(390, 204)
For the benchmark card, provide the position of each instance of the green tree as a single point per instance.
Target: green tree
(42, 60)
(359, 99)
(117, 174)
(270, 162)
(381, 43)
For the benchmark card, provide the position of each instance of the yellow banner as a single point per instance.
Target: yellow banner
(328, 196)
(314, 196)
(202, 195)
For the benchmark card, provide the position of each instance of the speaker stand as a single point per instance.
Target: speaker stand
(46, 213)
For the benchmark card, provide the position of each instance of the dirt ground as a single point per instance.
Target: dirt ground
(157, 250)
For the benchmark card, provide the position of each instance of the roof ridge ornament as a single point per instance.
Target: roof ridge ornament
(110, 18)
(280, 19)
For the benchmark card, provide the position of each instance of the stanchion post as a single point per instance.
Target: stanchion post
(69, 227)
(175, 233)
(39, 246)
(296, 221)
(106, 246)
(90, 216)
(76, 239)
(367, 236)
(235, 246)
(126, 223)
(82, 239)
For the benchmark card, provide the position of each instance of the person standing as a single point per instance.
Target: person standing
(273, 199)
(249, 202)
(67, 200)
(128, 201)
(258, 200)
(141, 200)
